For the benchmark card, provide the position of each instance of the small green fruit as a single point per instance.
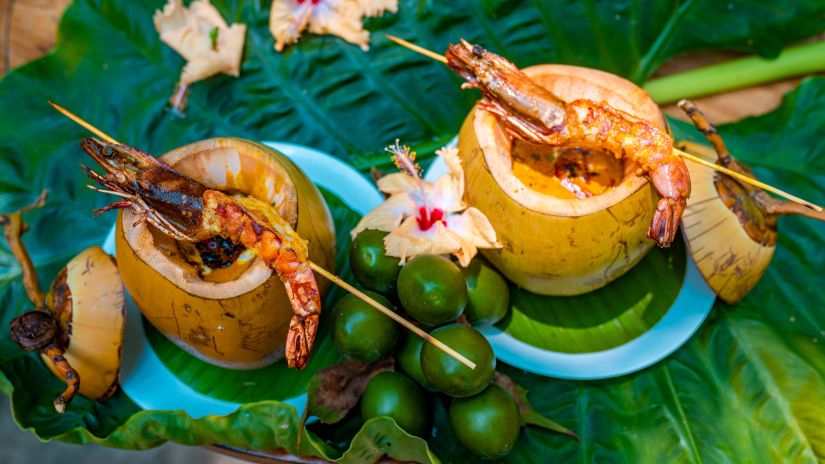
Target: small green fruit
(409, 359)
(488, 294)
(432, 289)
(370, 263)
(395, 395)
(450, 376)
(488, 424)
(360, 331)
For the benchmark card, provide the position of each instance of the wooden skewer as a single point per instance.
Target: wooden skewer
(332, 277)
(82, 122)
(417, 48)
(746, 179)
(687, 156)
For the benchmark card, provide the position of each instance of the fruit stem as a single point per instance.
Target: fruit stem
(737, 74)
(393, 315)
(13, 230)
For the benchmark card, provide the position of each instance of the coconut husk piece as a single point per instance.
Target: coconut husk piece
(730, 227)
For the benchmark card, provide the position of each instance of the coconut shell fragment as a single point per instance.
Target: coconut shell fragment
(95, 323)
(78, 326)
(730, 227)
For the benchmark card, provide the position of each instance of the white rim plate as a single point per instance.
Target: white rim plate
(146, 380)
(682, 320)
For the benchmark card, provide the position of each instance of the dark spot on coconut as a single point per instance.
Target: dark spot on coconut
(200, 336)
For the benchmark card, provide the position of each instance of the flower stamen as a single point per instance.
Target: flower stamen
(427, 219)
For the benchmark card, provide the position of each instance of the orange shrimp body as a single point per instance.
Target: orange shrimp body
(534, 114)
(254, 224)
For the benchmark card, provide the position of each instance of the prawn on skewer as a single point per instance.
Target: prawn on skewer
(185, 209)
(534, 114)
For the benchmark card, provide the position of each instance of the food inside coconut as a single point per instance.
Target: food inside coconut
(556, 243)
(217, 259)
(566, 172)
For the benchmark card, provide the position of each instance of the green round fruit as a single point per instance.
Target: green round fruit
(488, 424)
(488, 294)
(395, 395)
(450, 376)
(360, 331)
(432, 289)
(370, 263)
(409, 359)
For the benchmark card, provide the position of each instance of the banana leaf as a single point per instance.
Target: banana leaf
(750, 386)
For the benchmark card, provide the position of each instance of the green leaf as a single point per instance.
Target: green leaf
(529, 415)
(748, 387)
(602, 319)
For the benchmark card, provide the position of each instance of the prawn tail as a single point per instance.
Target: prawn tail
(666, 221)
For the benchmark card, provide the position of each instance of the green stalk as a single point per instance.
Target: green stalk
(736, 74)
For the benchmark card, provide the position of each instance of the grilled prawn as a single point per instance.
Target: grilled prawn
(534, 114)
(187, 210)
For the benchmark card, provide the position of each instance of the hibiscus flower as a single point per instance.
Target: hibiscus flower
(289, 18)
(425, 217)
(201, 36)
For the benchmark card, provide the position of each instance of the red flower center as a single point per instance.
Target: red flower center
(314, 2)
(427, 219)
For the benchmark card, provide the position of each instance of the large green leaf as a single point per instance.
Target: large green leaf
(605, 318)
(748, 387)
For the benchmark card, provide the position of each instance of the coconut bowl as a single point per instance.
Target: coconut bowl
(239, 323)
(555, 246)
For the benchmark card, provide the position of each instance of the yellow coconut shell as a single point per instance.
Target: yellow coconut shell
(97, 322)
(555, 246)
(729, 258)
(241, 323)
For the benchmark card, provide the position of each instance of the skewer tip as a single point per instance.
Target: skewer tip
(416, 48)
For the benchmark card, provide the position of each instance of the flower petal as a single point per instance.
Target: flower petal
(409, 241)
(341, 18)
(388, 215)
(448, 191)
(378, 7)
(399, 182)
(287, 20)
(201, 36)
(472, 230)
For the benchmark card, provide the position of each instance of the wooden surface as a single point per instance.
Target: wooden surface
(29, 27)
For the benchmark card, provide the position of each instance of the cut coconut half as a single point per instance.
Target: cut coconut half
(239, 320)
(553, 245)
(87, 300)
(731, 243)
